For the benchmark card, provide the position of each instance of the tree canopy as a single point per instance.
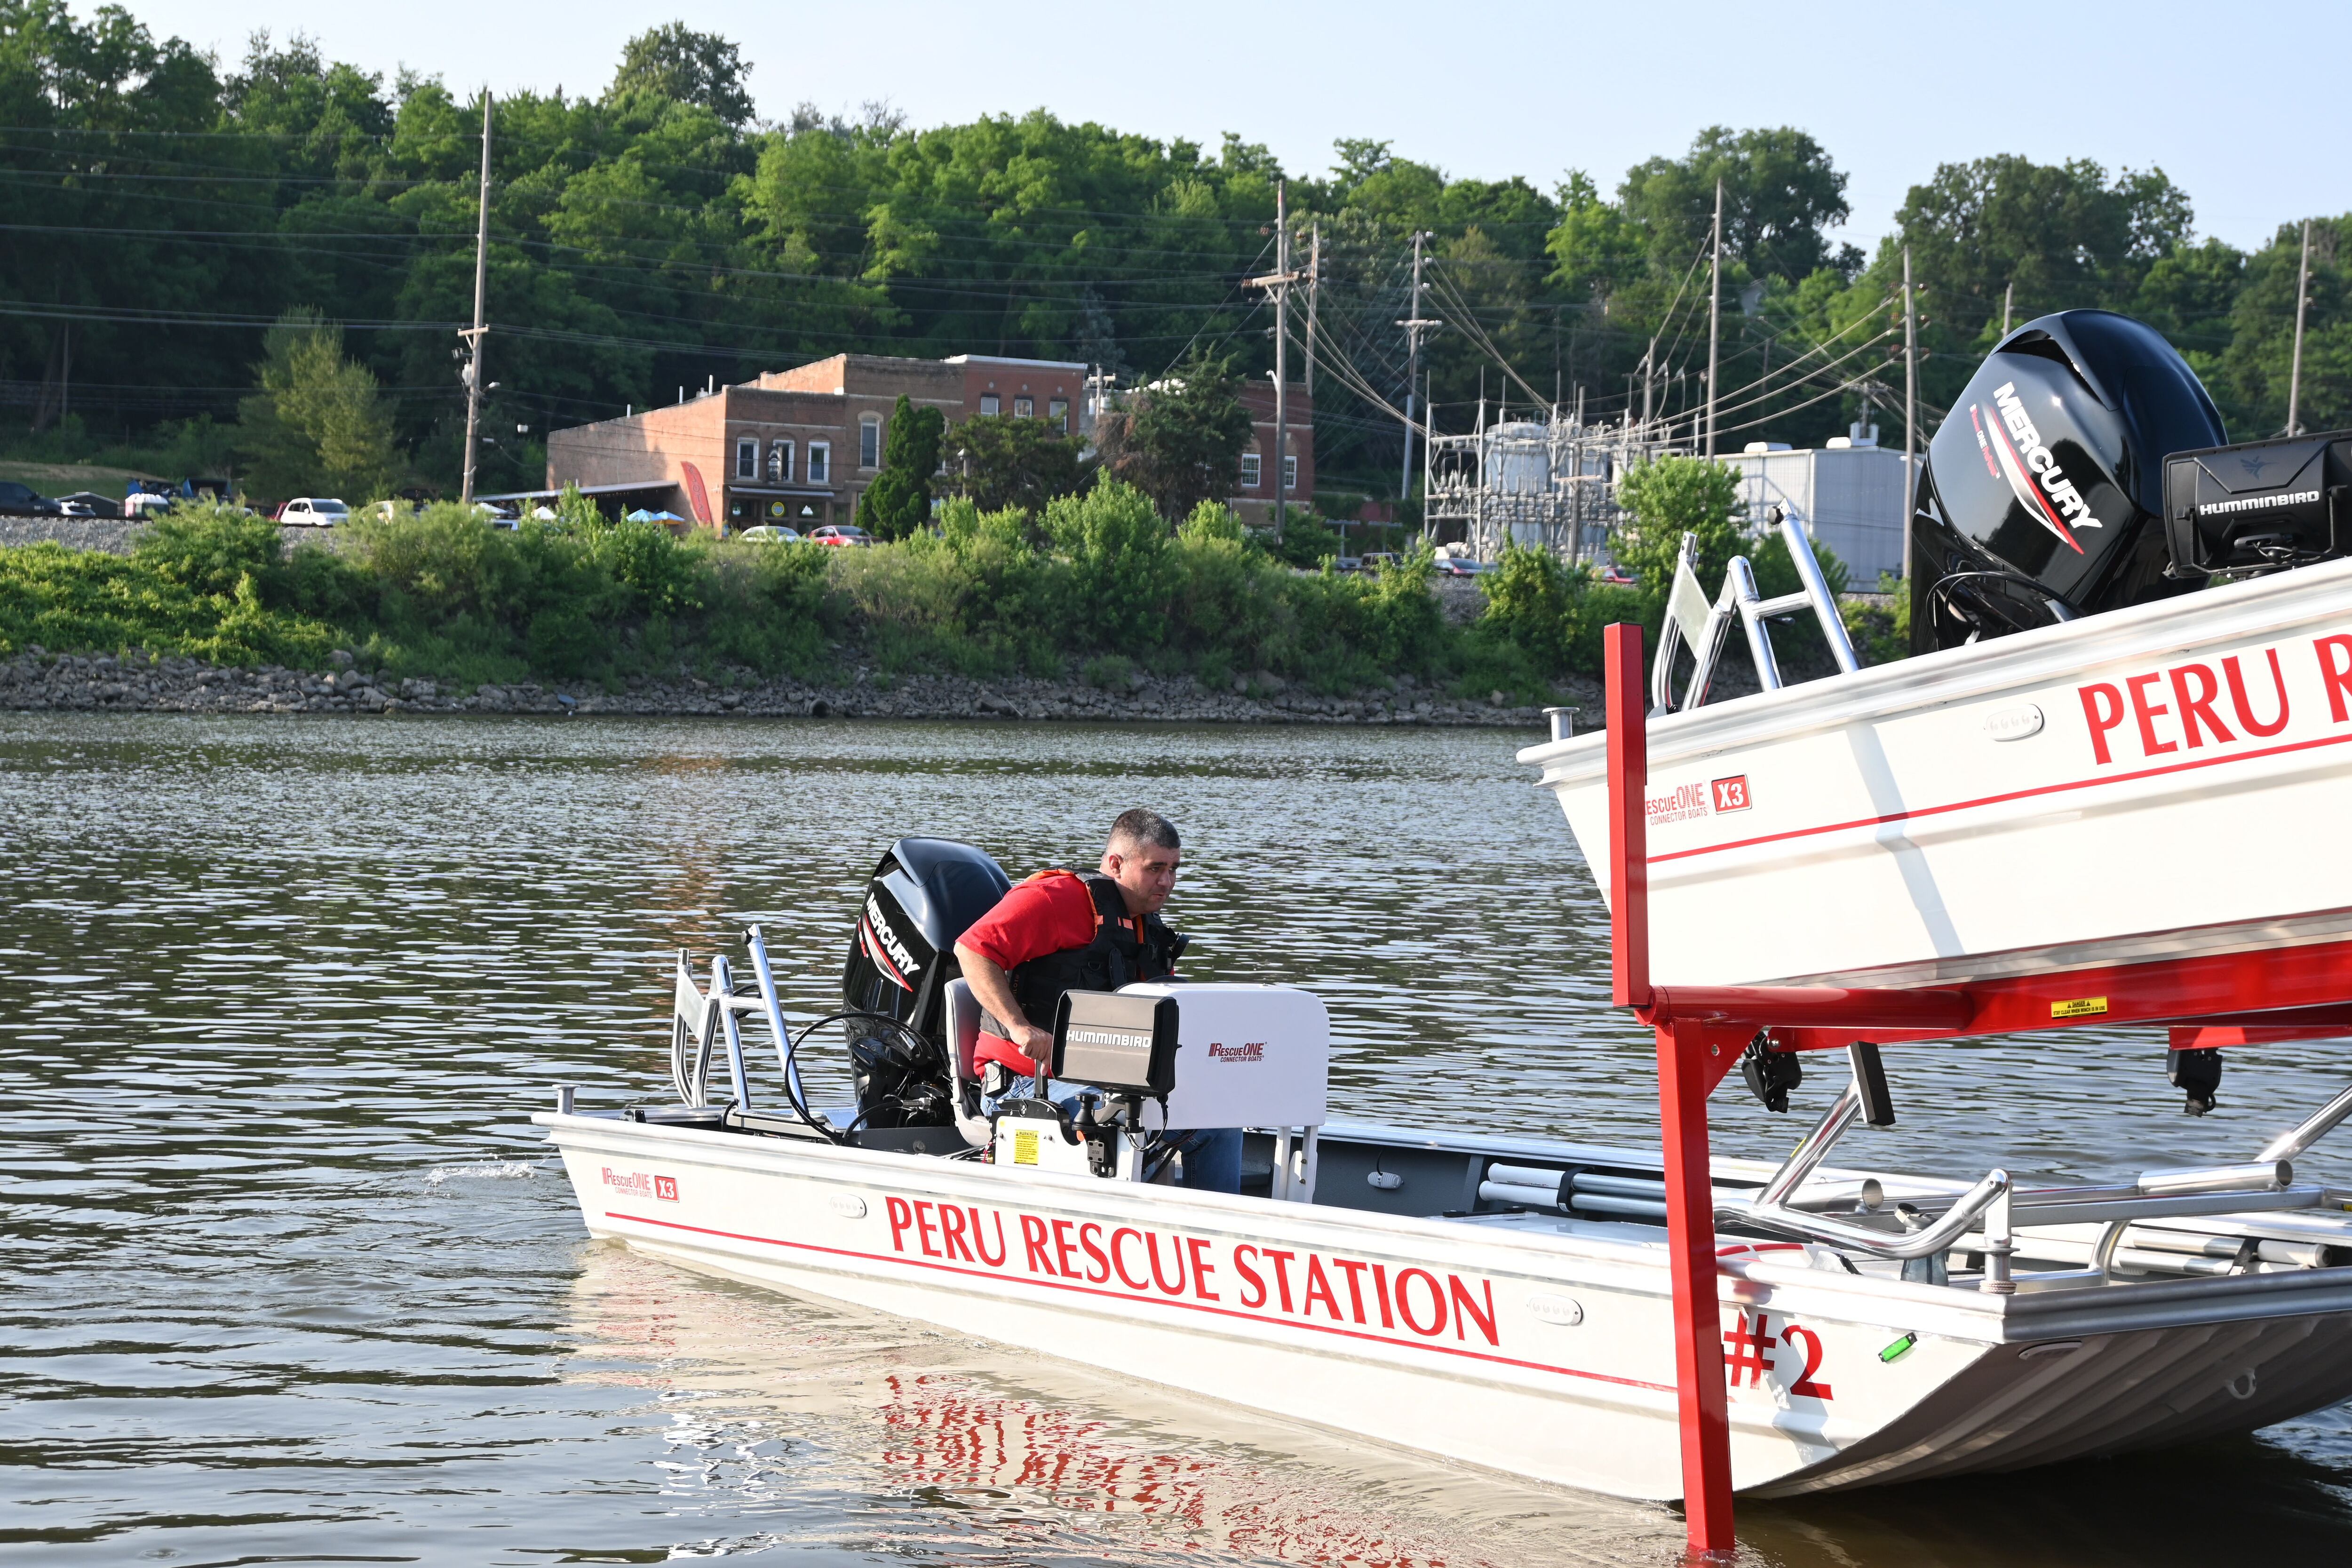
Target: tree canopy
(1180, 440)
(168, 208)
(673, 61)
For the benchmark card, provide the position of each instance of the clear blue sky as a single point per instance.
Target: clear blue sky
(2234, 101)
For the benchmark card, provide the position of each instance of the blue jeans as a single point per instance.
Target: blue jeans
(1213, 1158)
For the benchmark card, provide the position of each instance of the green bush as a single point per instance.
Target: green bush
(1100, 584)
(1543, 621)
(1307, 540)
(434, 592)
(1882, 636)
(206, 582)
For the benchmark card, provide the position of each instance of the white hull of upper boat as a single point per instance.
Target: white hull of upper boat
(2029, 803)
(1519, 1343)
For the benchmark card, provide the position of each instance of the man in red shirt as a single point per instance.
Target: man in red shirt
(1063, 931)
(1023, 955)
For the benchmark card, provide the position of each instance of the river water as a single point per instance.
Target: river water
(290, 1279)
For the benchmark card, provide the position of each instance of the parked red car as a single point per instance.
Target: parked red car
(841, 533)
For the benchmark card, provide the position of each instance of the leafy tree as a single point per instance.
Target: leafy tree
(898, 501)
(317, 423)
(1001, 461)
(1663, 500)
(1779, 194)
(675, 62)
(2064, 235)
(1596, 249)
(1179, 441)
(2252, 372)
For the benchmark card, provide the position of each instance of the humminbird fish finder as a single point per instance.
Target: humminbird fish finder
(1251, 1056)
(2259, 506)
(1122, 1044)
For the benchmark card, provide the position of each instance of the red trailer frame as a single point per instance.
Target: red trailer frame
(2301, 992)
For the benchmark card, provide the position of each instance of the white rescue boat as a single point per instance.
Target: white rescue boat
(1500, 1301)
(2104, 791)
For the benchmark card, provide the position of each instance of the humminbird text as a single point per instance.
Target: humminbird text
(1109, 1037)
(2255, 503)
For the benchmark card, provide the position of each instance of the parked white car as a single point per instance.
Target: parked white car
(319, 511)
(770, 533)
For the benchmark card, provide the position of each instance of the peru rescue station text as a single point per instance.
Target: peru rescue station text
(1430, 1304)
(2220, 703)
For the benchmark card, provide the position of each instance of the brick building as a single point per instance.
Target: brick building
(1253, 493)
(799, 447)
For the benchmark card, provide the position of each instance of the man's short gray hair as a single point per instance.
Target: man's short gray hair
(1142, 826)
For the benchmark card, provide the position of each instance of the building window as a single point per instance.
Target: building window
(988, 405)
(780, 463)
(1290, 473)
(1249, 470)
(1023, 408)
(1058, 411)
(869, 442)
(746, 458)
(820, 463)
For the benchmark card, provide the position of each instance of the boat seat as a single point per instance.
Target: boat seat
(963, 1011)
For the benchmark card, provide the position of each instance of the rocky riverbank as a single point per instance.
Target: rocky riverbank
(37, 680)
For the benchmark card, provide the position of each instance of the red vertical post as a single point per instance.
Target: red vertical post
(1683, 1084)
(1628, 851)
(1684, 1081)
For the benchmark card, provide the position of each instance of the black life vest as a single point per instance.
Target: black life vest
(1125, 949)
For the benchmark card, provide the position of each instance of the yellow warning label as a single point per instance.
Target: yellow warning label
(2079, 1007)
(1024, 1144)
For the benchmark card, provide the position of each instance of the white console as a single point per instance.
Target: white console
(1247, 1055)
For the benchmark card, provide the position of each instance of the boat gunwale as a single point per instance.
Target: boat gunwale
(1951, 676)
(1634, 1267)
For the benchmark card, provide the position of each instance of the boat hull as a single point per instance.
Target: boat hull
(2025, 805)
(1515, 1342)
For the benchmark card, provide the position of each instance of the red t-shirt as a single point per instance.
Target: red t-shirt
(1050, 912)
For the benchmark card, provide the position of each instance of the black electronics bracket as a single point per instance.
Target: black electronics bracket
(1870, 1084)
(1769, 1074)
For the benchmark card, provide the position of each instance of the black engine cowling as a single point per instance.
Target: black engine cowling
(2043, 497)
(923, 896)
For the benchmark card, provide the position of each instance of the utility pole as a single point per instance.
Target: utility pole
(1281, 349)
(1714, 314)
(1910, 407)
(1429, 418)
(2302, 299)
(1314, 294)
(1649, 383)
(1414, 325)
(472, 374)
(1277, 284)
(2008, 298)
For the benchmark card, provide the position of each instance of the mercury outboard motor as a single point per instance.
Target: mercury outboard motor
(923, 896)
(2042, 498)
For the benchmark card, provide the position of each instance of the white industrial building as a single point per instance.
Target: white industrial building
(1849, 495)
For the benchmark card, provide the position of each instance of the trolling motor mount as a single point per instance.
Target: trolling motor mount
(2198, 1075)
(1768, 1074)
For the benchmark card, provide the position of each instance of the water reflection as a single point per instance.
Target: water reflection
(779, 1408)
(291, 1279)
